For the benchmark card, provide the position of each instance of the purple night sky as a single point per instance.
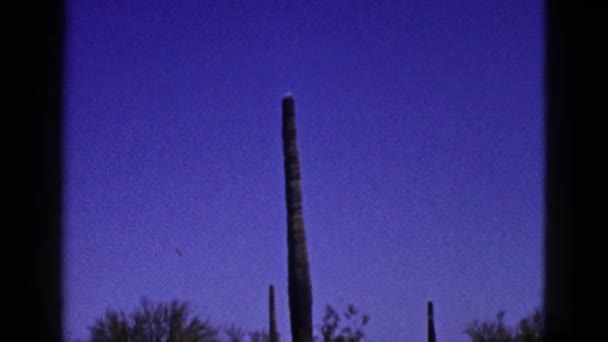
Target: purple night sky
(420, 128)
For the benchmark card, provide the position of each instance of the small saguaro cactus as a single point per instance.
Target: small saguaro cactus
(272, 320)
(431, 323)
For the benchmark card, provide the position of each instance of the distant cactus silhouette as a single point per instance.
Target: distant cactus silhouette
(272, 320)
(300, 291)
(431, 323)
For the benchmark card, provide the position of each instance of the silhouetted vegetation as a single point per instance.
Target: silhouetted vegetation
(529, 329)
(350, 329)
(170, 322)
(234, 334)
(153, 322)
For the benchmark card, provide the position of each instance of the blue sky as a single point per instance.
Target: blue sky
(420, 127)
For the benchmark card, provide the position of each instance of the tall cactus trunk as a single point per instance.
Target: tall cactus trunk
(300, 292)
(431, 323)
(272, 320)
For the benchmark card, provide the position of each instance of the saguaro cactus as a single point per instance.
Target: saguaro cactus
(431, 323)
(272, 320)
(300, 291)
